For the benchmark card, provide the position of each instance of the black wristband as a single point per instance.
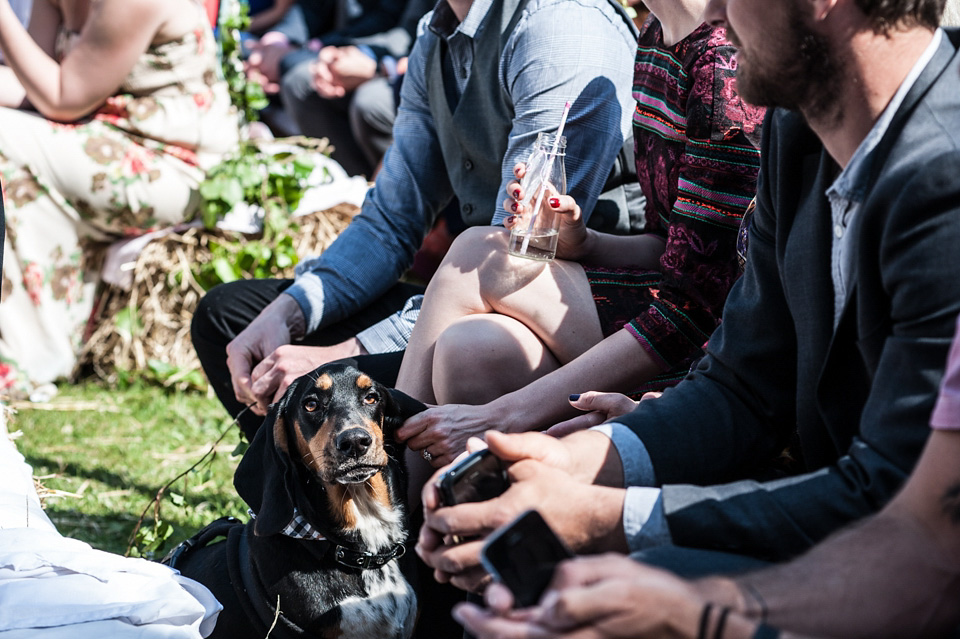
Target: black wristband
(721, 622)
(704, 619)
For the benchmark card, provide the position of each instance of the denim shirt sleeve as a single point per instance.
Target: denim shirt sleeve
(644, 523)
(593, 70)
(392, 333)
(371, 254)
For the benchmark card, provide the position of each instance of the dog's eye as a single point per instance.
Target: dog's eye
(371, 398)
(311, 405)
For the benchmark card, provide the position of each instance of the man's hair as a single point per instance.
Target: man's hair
(891, 14)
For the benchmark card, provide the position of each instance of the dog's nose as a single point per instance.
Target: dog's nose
(353, 442)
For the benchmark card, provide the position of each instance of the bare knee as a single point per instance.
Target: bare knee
(475, 247)
(481, 357)
(479, 256)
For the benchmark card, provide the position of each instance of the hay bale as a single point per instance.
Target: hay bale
(152, 320)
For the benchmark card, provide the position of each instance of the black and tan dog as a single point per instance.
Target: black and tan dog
(324, 481)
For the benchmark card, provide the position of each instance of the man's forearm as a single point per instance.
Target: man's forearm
(882, 578)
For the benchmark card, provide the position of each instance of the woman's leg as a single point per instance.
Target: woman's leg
(551, 299)
(481, 357)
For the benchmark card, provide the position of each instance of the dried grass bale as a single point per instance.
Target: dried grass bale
(152, 321)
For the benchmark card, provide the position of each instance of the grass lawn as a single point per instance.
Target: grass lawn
(104, 454)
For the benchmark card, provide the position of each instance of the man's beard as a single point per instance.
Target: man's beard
(803, 74)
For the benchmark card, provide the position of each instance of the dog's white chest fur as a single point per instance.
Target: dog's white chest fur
(388, 611)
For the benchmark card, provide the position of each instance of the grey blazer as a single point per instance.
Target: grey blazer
(855, 401)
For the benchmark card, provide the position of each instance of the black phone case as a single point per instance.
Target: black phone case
(523, 555)
(478, 477)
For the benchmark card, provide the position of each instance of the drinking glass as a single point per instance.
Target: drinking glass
(535, 234)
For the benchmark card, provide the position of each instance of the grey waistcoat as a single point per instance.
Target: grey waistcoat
(473, 138)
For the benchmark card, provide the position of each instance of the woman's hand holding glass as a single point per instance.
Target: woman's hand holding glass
(574, 237)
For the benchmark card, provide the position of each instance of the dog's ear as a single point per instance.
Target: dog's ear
(398, 408)
(265, 476)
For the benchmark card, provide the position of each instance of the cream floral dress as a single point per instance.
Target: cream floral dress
(132, 167)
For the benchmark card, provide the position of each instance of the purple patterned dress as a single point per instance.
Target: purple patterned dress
(697, 154)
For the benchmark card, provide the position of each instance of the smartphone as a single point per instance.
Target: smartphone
(477, 477)
(523, 555)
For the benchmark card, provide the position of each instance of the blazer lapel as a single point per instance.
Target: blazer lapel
(944, 54)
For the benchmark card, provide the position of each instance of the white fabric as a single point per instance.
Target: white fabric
(53, 586)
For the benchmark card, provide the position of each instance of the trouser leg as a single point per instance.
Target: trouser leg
(372, 113)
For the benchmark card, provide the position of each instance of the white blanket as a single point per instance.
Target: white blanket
(53, 586)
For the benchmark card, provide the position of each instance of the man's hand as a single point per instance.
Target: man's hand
(601, 407)
(352, 68)
(272, 376)
(323, 80)
(585, 516)
(263, 64)
(593, 598)
(272, 328)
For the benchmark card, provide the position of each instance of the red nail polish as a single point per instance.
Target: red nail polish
(554, 202)
(513, 206)
(511, 219)
(516, 193)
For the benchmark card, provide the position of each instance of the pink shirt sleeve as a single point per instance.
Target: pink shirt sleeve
(946, 413)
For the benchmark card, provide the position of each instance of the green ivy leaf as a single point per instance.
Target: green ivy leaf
(225, 270)
(127, 323)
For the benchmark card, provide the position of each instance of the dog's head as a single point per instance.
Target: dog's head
(332, 427)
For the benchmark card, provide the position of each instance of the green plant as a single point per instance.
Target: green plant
(275, 182)
(272, 180)
(248, 97)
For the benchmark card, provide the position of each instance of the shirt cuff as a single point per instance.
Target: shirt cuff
(367, 50)
(392, 334)
(637, 465)
(307, 290)
(644, 523)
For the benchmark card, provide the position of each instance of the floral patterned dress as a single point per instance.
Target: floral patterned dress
(133, 166)
(697, 154)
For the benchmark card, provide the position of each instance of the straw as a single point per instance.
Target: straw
(544, 174)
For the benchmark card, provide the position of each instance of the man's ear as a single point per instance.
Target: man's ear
(398, 408)
(265, 478)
